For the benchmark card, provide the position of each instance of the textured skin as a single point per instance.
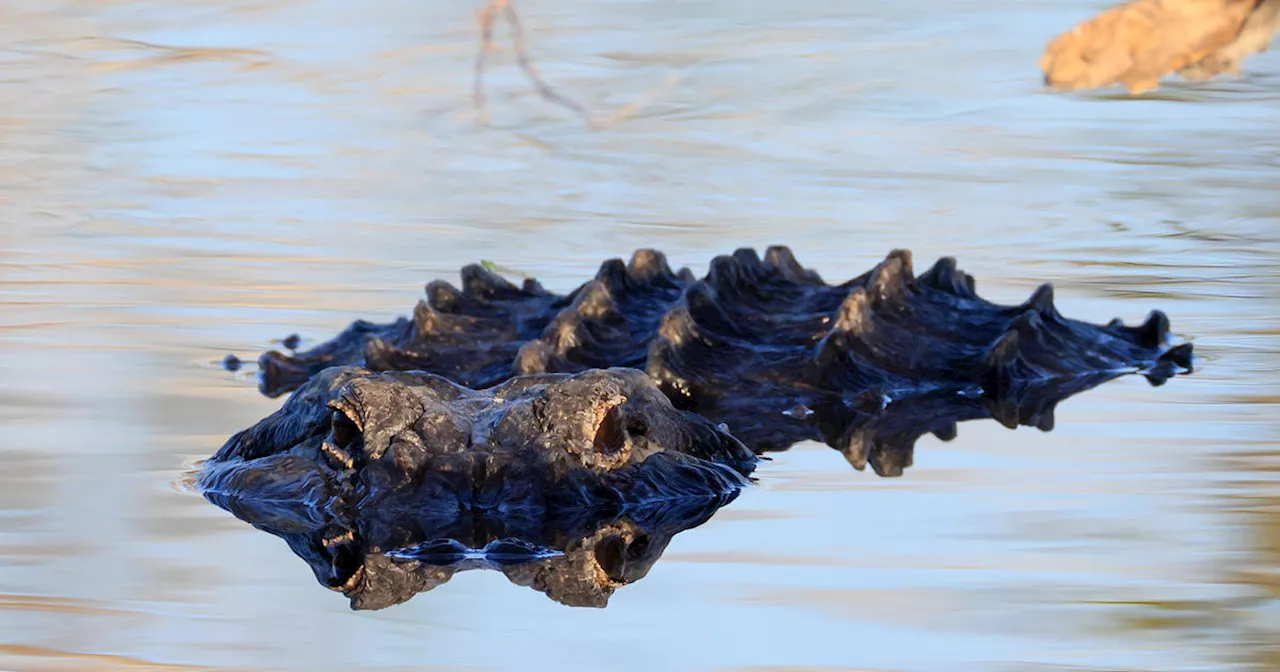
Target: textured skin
(757, 337)
(600, 439)
(489, 330)
(1138, 43)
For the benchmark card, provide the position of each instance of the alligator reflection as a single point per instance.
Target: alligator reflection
(384, 554)
(873, 430)
(379, 557)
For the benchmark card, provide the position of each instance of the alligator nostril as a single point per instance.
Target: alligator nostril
(638, 546)
(637, 427)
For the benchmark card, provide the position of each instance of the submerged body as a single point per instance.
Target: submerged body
(1138, 43)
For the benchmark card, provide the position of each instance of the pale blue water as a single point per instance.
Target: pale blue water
(160, 208)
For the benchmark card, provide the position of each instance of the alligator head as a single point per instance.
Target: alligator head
(600, 439)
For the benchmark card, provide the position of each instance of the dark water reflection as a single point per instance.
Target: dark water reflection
(381, 558)
(181, 178)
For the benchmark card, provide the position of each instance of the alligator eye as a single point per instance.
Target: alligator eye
(638, 547)
(610, 554)
(637, 427)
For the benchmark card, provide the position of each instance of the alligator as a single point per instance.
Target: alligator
(762, 345)
(564, 439)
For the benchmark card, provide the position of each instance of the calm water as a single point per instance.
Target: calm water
(184, 179)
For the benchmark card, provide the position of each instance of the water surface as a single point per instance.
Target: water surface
(185, 179)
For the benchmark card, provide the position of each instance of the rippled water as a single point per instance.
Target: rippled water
(183, 179)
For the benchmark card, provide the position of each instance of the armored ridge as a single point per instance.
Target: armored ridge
(756, 330)
(490, 330)
(760, 337)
